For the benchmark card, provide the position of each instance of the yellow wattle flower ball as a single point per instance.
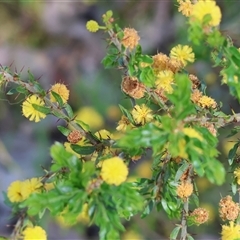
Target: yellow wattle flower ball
(14, 192)
(114, 171)
(92, 26)
(204, 7)
(29, 111)
(30, 186)
(36, 232)
(61, 90)
(230, 232)
(183, 53)
(142, 114)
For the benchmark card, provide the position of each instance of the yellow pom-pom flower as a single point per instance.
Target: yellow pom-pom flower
(183, 53)
(30, 186)
(14, 192)
(114, 171)
(29, 111)
(61, 90)
(204, 7)
(34, 233)
(185, 7)
(207, 102)
(142, 114)
(92, 26)
(230, 232)
(165, 80)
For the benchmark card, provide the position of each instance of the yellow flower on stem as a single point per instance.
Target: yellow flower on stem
(205, 7)
(123, 124)
(183, 53)
(14, 191)
(142, 114)
(92, 26)
(30, 186)
(207, 102)
(185, 7)
(29, 111)
(114, 171)
(165, 80)
(34, 233)
(61, 90)
(230, 232)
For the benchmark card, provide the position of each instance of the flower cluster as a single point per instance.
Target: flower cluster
(203, 100)
(200, 10)
(200, 215)
(35, 232)
(19, 191)
(228, 209)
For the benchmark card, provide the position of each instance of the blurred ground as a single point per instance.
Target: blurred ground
(50, 39)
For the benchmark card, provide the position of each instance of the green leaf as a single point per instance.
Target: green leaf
(69, 110)
(12, 91)
(147, 76)
(22, 90)
(234, 188)
(215, 172)
(63, 130)
(58, 98)
(83, 150)
(189, 237)
(31, 77)
(174, 233)
(126, 113)
(232, 153)
(41, 109)
(181, 170)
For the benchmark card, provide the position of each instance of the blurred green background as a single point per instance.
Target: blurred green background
(50, 39)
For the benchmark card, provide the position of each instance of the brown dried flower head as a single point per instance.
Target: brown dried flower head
(132, 87)
(130, 38)
(160, 62)
(195, 81)
(185, 189)
(74, 136)
(200, 215)
(196, 95)
(228, 209)
(174, 65)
